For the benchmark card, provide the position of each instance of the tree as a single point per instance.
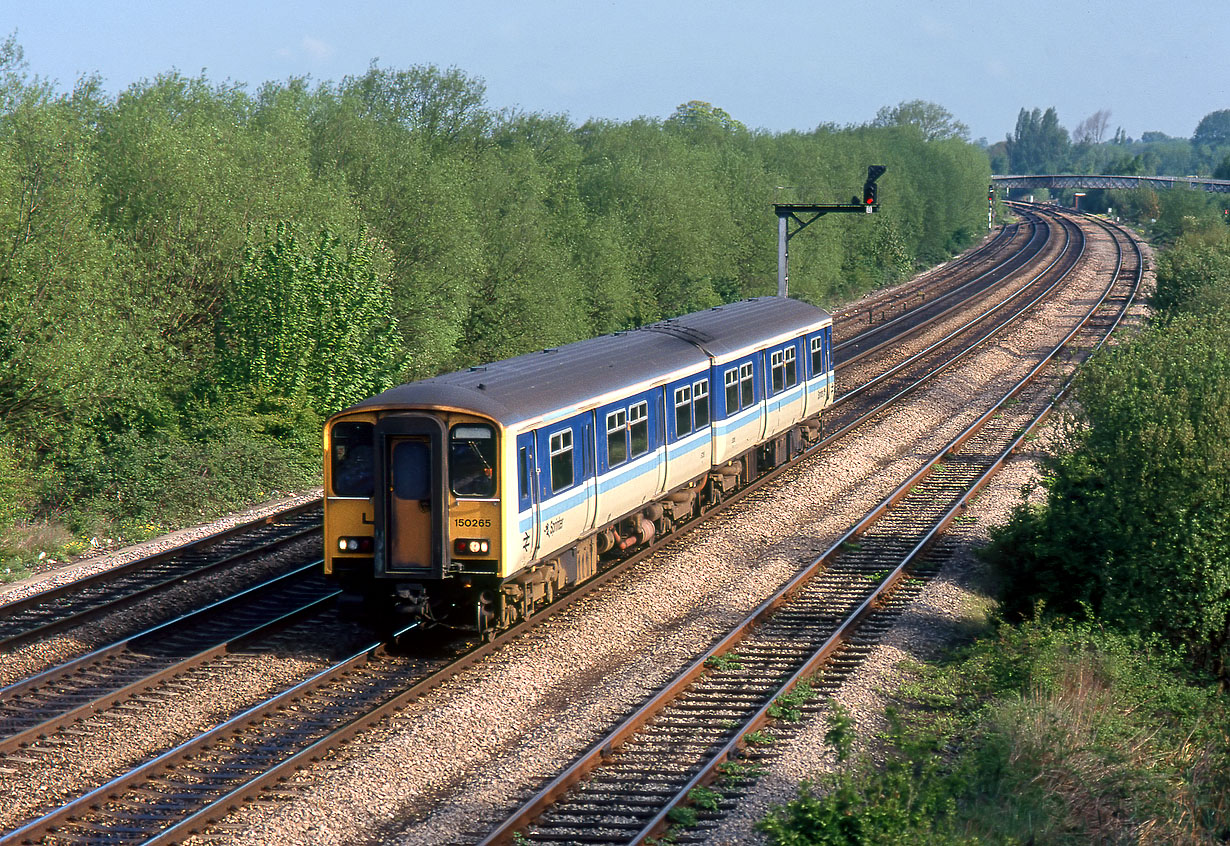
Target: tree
(1092, 129)
(309, 323)
(1213, 129)
(934, 121)
(1136, 526)
(445, 105)
(1039, 144)
(697, 114)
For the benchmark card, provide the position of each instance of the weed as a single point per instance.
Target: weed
(788, 706)
(840, 734)
(738, 771)
(759, 738)
(704, 798)
(683, 816)
(726, 661)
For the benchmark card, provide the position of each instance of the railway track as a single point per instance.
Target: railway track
(58, 699)
(47, 613)
(883, 306)
(897, 321)
(695, 744)
(74, 603)
(363, 690)
(882, 386)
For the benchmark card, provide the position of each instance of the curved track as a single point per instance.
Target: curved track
(697, 733)
(291, 730)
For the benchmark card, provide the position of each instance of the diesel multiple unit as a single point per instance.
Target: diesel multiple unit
(469, 498)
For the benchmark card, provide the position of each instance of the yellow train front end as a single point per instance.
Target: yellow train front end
(413, 515)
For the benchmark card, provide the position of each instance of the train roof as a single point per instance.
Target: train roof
(562, 378)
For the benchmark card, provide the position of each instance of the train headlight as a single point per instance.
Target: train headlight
(355, 544)
(471, 546)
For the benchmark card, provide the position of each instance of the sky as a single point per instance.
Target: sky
(1155, 66)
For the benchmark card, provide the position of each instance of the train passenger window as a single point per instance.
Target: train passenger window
(817, 355)
(747, 394)
(792, 374)
(700, 403)
(353, 459)
(472, 460)
(616, 437)
(683, 411)
(778, 368)
(732, 391)
(561, 460)
(638, 428)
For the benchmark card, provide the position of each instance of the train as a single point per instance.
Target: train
(472, 498)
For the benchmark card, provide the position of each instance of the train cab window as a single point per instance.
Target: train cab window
(700, 403)
(561, 461)
(616, 437)
(747, 393)
(817, 356)
(683, 411)
(732, 391)
(472, 460)
(638, 428)
(353, 463)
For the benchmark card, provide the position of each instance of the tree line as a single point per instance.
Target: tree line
(193, 274)
(1039, 143)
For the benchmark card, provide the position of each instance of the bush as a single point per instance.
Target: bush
(1054, 733)
(1136, 524)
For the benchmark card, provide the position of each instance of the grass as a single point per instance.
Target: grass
(1044, 733)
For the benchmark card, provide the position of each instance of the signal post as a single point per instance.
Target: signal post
(787, 212)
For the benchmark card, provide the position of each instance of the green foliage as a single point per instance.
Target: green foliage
(704, 798)
(1052, 733)
(725, 661)
(1038, 144)
(840, 734)
(683, 816)
(697, 115)
(1136, 526)
(159, 313)
(759, 738)
(310, 323)
(788, 706)
(1196, 275)
(1213, 129)
(934, 121)
(13, 487)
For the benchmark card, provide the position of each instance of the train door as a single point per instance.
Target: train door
(761, 381)
(659, 442)
(411, 510)
(590, 470)
(527, 497)
(410, 506)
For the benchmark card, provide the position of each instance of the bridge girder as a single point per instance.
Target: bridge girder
(1070, 180)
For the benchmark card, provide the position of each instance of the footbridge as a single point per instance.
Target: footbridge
(1074, 180)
